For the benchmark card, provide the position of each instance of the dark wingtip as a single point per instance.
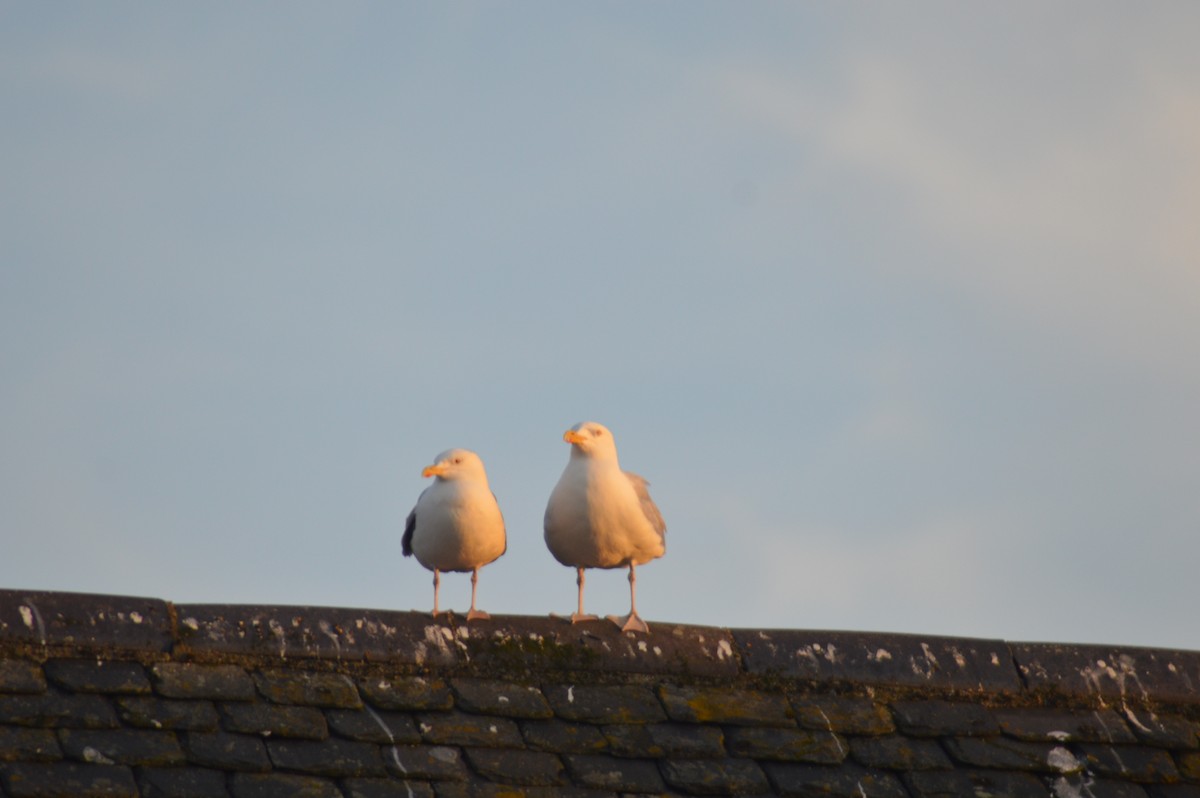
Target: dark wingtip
(409, 525)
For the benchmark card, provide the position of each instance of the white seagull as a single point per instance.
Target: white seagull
(456, 525)
(602, 517)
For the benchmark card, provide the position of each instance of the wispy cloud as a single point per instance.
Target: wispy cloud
(1082, 223)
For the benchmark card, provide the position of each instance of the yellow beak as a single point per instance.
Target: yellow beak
(571, 436)
(433, 471)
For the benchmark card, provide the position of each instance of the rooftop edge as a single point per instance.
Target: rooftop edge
(152, 629)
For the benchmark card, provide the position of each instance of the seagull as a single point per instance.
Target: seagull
(599, 516)
(456, 525)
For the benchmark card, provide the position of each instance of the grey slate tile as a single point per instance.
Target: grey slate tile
(896, 752)
(611, 773)
(726, 706)
(880, 659)
(605, 703)
(223, 751)
(1172, 790)
(374, 726)
(92, 676)
(58, 710)
(1004, 753)
(329, 634)
(86, 624)
(528, 768)
(1189, 764)
(281, 785)
(1064, 725)
(436, 762)
(301, 688)
(148, 712)
(459, 728)
(449, 789)
(1168, 731)
(1135, 763)
(632, 740)
(563, 737)
(386, 788)
(963, 783)
(28, 745)
(188, 782)
(523, 644)
(846, 781)
(715, 776)
(305, 723)
(687, 740)
(787, 745)
(925, 718)
(189, 680)
(122, 746)
(406, 692)
(67, 780)
(1092, 672)
(842, 714)
(18, 676)
(336, 758)
(493, 697)
(1088, 786)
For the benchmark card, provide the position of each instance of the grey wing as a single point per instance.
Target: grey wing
(642, 488)
(409, 526)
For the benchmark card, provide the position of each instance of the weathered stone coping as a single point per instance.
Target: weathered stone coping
(44, 624)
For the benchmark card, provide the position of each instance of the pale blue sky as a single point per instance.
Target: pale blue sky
(897, 307)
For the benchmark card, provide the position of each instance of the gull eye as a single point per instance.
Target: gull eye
(457, 461)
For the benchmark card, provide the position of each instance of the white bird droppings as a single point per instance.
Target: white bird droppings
(724, 650)
(26, 615)
(95, 757)
(395, 754)
(1063, 760)
(571, 694)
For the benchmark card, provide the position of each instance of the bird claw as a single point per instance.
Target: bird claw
(477, 615)
(574, 617)
(630, 623)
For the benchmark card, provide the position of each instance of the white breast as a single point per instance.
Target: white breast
(594, 519)
(458, 527)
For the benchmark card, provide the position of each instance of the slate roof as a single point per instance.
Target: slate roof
(116, 696)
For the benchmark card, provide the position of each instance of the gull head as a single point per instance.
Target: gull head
(456, 464)
(590, 439)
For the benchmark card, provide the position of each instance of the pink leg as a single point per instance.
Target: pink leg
(473, 613)
(437, 583)
(631, 622)
(579, 615)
